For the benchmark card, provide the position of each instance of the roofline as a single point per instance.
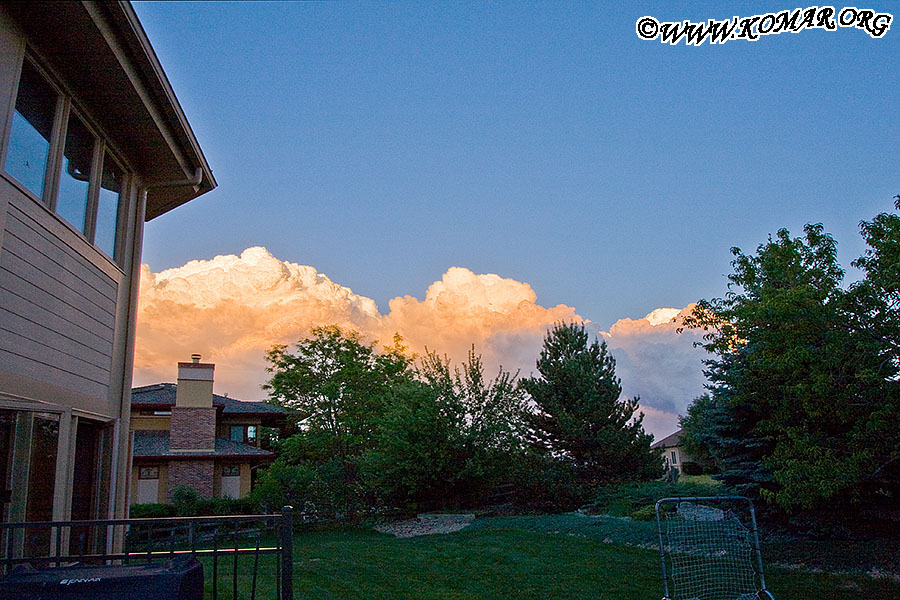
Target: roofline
(161, 91)
(663, 443)
(213, 457)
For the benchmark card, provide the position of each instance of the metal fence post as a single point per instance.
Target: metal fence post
(287, 554)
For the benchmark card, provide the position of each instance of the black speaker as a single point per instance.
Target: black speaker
(177, 579)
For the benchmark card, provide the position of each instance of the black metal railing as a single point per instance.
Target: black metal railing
(250, 552)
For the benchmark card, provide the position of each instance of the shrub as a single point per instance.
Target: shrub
(622, 500)
(645, 513)
(187, 503)
(692, 468)
(152, 511)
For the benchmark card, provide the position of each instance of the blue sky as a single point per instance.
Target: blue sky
(383, 143)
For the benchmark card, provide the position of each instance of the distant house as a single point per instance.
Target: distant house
(673, 453)
(93, 144)
(183, 434)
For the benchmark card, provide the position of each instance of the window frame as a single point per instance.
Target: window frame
(148, 468)
(66, 105)
(231, 432)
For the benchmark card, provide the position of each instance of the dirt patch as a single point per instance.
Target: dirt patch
(426, 525)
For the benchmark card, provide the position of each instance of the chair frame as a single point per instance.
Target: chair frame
(761, 593)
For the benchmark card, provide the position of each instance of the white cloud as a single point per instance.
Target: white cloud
(658, 364)
(232, 309)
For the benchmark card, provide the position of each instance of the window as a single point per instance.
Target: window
(674, 459)
(90, 184)
(246, 434)
(32, 128)
(108, 207)
(148, 473)
(41, 478)
(75, 177)
(231, 470)
(7, 445)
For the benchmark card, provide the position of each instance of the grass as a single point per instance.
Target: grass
(490, 563)
(566, 557)
(700, 480)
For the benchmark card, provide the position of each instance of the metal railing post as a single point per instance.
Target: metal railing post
(287, 554)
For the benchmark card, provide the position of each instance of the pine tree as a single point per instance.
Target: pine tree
(579, 417)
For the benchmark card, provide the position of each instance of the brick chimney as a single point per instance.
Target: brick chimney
(193, 426)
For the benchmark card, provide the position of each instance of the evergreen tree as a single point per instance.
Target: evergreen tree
(579, 417)
(801, 393)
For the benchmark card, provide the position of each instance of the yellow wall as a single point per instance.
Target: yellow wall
(163, 482)
(245, 480)
(150, 423)
(217, 480)
(195, 394)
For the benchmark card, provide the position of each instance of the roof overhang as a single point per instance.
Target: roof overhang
(87, 42)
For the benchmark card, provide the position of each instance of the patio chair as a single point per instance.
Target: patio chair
(709, 549)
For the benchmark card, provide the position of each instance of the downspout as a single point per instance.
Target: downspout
(134, 282)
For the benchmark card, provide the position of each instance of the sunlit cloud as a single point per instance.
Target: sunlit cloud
(231, 309)
(659, 364)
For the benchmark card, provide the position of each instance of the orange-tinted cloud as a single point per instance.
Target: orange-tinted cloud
(231, 309)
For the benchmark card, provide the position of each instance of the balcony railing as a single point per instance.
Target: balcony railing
(244, 553)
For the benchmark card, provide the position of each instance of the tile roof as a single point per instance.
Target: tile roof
(156, 444)
(163, 394)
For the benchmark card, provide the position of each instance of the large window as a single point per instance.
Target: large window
(41, 476)
(90, 181)
(75, 176)
(108, 206)
(32, 127)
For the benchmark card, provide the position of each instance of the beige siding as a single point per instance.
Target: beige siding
(57, 308)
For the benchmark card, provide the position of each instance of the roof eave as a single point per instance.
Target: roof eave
(164, 199)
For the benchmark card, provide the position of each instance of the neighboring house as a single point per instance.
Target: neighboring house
(186, 435)
(672, 452)
(93, 144)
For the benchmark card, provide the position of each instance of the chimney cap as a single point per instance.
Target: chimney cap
(195, 358)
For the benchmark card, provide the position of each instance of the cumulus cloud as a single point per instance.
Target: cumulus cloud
(658, 364)
(231, 309)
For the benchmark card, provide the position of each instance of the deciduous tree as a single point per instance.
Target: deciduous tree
(797, 408)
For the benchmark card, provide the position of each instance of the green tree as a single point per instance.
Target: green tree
(877, 296)
(701, 428)
(338, 383)
(580, 418)
(794, 382)
(876, 303)
(448, 439)
(341, 385)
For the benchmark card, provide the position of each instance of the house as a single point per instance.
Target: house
(93, 144)
(673, 453)
(186, 435)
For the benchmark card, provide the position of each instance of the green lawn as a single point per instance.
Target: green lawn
(546, 557)
(502, 563)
